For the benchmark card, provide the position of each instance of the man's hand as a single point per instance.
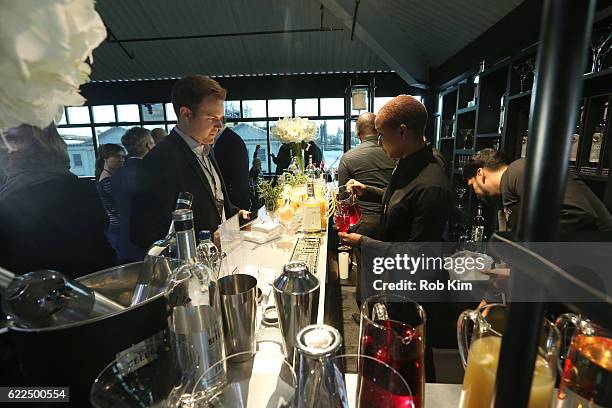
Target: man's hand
(351, 239)
(355, 187)
(216, 238)
(244, 214)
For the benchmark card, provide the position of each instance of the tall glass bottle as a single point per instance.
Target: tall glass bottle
(48, 298)
(167, 246)
(478, 225)
(311, 170)
(311, 210)
(194, 314)
(597, 139)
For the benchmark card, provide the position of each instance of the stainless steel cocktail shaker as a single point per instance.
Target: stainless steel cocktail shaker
(296, 292)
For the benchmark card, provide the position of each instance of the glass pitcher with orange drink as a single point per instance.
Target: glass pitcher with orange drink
(487, 326)
(586, 372)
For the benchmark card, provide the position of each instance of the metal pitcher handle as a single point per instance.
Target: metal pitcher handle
(462, 333)
(562, 324)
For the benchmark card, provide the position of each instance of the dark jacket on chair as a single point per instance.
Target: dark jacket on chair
(171, 168)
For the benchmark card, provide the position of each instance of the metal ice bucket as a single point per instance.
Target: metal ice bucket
(73, 354)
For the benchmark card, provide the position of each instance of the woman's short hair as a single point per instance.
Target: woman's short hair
(34, 148)
(403, 110)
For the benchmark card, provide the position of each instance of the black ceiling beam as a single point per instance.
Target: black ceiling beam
(244, 34)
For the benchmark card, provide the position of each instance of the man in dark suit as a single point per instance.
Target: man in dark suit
(283, 160)
(233, 159)
(312, 150)
(127, 188)
(184, 161)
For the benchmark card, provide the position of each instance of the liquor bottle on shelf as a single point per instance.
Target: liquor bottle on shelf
(524, 141)
(476, 83)
(311, 211)
(502, 111)
(47, 298)
(597, 139)
(576, 136)
(478, 225)
(167, 246)
(194, 313)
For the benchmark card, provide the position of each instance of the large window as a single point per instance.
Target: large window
(84, 128)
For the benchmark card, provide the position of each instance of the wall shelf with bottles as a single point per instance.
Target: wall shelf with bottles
(466, 110)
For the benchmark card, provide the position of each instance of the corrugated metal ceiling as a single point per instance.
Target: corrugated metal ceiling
(441, 28)
(258, 54)
(438, 29)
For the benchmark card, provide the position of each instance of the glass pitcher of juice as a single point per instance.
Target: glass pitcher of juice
(487, 325)
(586, 372)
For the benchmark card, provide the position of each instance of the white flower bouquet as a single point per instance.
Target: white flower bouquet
(295, 130)
(43, 46)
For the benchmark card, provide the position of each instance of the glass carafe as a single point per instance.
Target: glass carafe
(586, 372)
(487, 324)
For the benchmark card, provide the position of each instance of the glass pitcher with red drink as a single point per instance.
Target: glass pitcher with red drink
(586, 374)
(392, 331)
(347, 202)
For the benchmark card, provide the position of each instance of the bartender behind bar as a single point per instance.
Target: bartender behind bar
(488, 174)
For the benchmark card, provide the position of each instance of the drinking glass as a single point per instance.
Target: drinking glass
(460, 190)
(359, 381)
(523, 70)
(133, 379)
(586, 372)
(285, 215)
(342, 220)
(601, 43)
(261, 380)
(392, 330)
(488, 325)
(271, 207)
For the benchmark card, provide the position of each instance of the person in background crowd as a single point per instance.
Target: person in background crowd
(110, 158)
(254, 177)
(416, 203)
(314, 151)
(182, 162)
(369, 164)
(50, 219)
(283, 160)
(158, 135)
(233, 159)
(488, 175)
(126, 187)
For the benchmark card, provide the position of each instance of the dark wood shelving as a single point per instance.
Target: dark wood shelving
(458, 172)
(467, 110)
(520, 95)
(488, 135)
(464, 151)
(447, 138)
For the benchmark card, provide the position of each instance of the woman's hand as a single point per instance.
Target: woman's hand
(355, 187)
(351, 239)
